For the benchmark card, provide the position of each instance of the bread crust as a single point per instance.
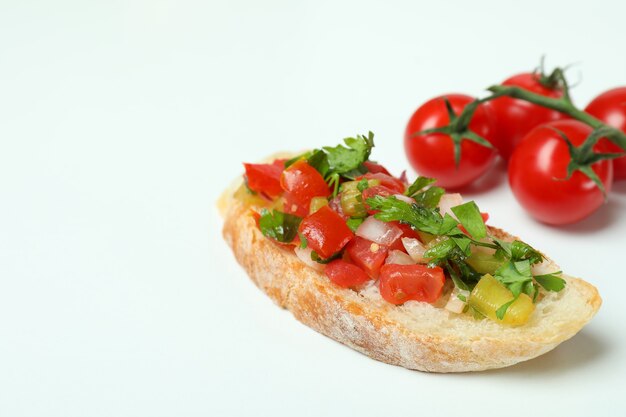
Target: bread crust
(373, 328)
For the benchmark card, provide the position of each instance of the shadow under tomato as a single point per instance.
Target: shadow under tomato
(619, 187)
(495, 176)
(604, 217)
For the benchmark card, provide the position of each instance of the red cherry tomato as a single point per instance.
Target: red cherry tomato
(301, 183)
(345, 274)
(367, 255)
(326, 232)
(610, 107)
(401, 283)
(432, 155)
(265, 178)
(515, 118)
(388, 181)
(538, 163)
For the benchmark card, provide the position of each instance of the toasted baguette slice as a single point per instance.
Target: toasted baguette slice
(415, 335)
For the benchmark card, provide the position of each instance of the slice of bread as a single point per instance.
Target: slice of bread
(415, 335)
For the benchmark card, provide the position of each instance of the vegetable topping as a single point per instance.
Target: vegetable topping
(351, 218)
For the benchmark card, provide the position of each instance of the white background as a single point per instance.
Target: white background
(122, 121)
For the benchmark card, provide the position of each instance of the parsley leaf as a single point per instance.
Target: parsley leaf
(430, 198)
(348, 161)
(354, 224)
(319, 161)
(392, 209)
(514, 275)
(551, 282)
(463, 243)
(501, 311)
(517, 251)
(418, 185)
(279, 226)
(471, 219)
(521, 250)
(362, 185)
(315, 257)
(427, 197)
(440, 252)
(517, 277)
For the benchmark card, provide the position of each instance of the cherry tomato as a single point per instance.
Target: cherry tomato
(401, 283)
(301, 183)
(373, 167)
(432, 155)
(515, 118)
(345, 274)
(610, 107)
(265, 178)
(326, 232)
(386, 181)
(368, 255)
(540, 162)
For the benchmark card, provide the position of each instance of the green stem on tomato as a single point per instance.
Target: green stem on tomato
(564, 105)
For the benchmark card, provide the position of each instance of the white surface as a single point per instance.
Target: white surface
(120, 123)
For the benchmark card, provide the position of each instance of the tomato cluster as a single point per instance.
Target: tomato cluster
(532, 138)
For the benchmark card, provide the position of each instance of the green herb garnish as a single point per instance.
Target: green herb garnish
(318, 259)
(471, 219)
(282, 227)
(551, 282)
(354, 224)
(424, 193)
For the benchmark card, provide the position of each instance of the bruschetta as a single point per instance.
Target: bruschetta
(405, 273)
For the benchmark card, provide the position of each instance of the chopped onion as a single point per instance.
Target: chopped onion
(404, 198)
(415, 249)
(399, 258)
(304, 254)
(378, 231)
(545, 267)
(455, 304)
(448, 201)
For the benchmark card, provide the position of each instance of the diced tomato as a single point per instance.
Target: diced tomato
(367, 255)
(345, 274)
(375, 168)
(326, 232)
(401, 283)
(407, 231)
(293, 206)
(386, 180)
(301, 183)
(374, 191)
(265, 178)
(397, 245)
